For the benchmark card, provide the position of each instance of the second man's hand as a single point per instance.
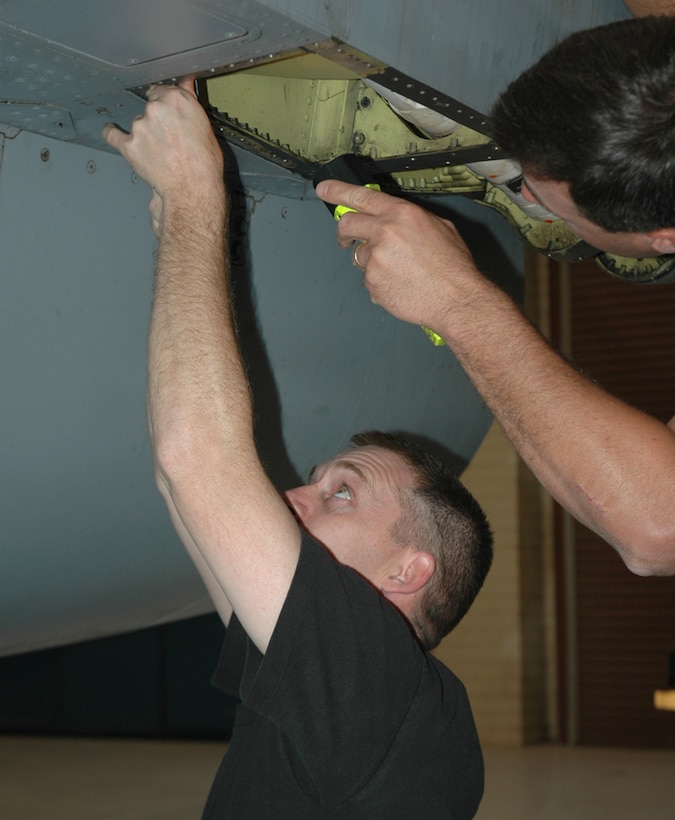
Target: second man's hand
(415, 264)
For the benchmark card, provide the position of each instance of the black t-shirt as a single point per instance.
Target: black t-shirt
(345, 716)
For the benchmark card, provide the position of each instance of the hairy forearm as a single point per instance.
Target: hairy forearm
(200, 410)
(610, 465)
(197, 388)
(199, 400)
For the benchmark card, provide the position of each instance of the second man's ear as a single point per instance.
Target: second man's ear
(418, 569)
(663, 240)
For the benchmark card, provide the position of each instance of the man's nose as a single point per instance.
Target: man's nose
(299, 500)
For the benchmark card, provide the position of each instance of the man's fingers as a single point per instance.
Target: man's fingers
(358, 197)
(114, 136)
(353, 227)
(117, 138)
(188, 84)
(157, 91)
(362, 204)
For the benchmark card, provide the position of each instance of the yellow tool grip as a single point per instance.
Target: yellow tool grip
(435, 338)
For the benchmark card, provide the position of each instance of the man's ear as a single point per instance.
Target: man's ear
(413, 574)
(663, 240)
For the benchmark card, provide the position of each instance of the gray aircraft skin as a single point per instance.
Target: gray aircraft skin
(87, 548)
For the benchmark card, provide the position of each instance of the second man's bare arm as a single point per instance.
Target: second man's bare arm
(610, 465)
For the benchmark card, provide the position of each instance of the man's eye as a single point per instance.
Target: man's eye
(343, 492)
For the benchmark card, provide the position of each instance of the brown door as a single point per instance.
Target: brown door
(623, 336)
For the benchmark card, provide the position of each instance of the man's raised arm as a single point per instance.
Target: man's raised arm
(242, 537)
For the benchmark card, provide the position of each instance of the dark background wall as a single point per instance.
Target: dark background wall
(149, 683)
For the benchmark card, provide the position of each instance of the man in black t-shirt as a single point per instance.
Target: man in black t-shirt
(345, 716)
(344, 713)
